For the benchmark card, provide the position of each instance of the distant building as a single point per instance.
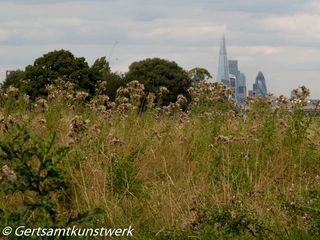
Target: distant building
(242, 87)
(233, 68)
(229, 73)
(223, 68)
(260, 87)
(240, 81)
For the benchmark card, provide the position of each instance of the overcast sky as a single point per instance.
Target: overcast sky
(281, 38)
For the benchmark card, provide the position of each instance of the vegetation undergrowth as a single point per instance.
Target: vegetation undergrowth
(201, 169)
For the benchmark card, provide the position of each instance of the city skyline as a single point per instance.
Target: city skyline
(274, 37)
(229, 73)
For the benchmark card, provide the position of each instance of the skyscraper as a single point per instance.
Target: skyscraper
(223, 68)
(242, 87)
(260, 87)
(240, 81)
(229, 73)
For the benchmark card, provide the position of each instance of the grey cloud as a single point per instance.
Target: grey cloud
(185, 31)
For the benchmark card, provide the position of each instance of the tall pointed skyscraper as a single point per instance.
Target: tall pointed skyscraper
(223, 68)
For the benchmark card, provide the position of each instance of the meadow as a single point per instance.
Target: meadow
(205, 169)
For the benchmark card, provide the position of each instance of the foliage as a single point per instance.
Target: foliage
(13, 79)
(39, 179)
(199, 74)
(107, 82)
(100, 69)
(214, 171)
(124, 175)
(154, 73)
(54, 65)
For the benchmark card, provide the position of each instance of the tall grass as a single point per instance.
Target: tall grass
(215, 172)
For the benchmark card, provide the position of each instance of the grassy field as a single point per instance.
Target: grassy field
(215, 171)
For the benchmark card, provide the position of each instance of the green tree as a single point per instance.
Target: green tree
(114, 81)
(100, 71)
(58, 64)
(199, 74)
(14, 78)
(155, 73)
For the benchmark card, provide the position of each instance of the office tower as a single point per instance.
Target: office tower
(223, 68)
(230, 75)
(233, 68)
(240, 81)
(234, 76)
(242, 87)
(260, 87)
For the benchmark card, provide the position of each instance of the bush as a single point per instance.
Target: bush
(38, 178)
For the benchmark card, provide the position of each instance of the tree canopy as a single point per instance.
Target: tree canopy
(58, 64)
(199, 74)
(155, 73)
(14, 78)
(100, 71)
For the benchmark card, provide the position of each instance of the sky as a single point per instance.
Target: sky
(281, 38)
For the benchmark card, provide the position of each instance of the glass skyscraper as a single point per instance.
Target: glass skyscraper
(260, 86)
(223, 68)
(229, 73)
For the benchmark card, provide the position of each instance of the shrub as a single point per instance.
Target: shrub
(38, 178)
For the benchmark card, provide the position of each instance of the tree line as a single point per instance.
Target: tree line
(153, 73)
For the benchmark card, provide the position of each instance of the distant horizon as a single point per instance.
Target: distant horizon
(278, 38)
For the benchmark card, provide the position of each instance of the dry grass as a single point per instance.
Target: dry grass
(187, 168)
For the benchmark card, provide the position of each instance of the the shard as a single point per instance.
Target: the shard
(223, 68)
(230, 75)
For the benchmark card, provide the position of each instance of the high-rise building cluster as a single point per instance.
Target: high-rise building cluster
(230, 75)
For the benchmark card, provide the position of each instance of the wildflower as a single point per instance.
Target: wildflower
(42, 121)
(101, 87)
(223, 139)
(150, 99)
(307, 217)
(282, 123)
(183, 117)
(42, 103)
(181, 100)
(26, 98)
(7, 174)
(135, 87)
(191, 90)
(12, 120)
(163, 91)
(81, 95)
(77, 126)
(122, 91)
(12, 90)
(116, 140)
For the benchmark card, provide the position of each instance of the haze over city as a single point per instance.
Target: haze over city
(279, 38)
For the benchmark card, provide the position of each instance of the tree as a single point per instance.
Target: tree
(199, 74)
(155, 73)
(100, 71)
(14, 78)
(58, 64)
